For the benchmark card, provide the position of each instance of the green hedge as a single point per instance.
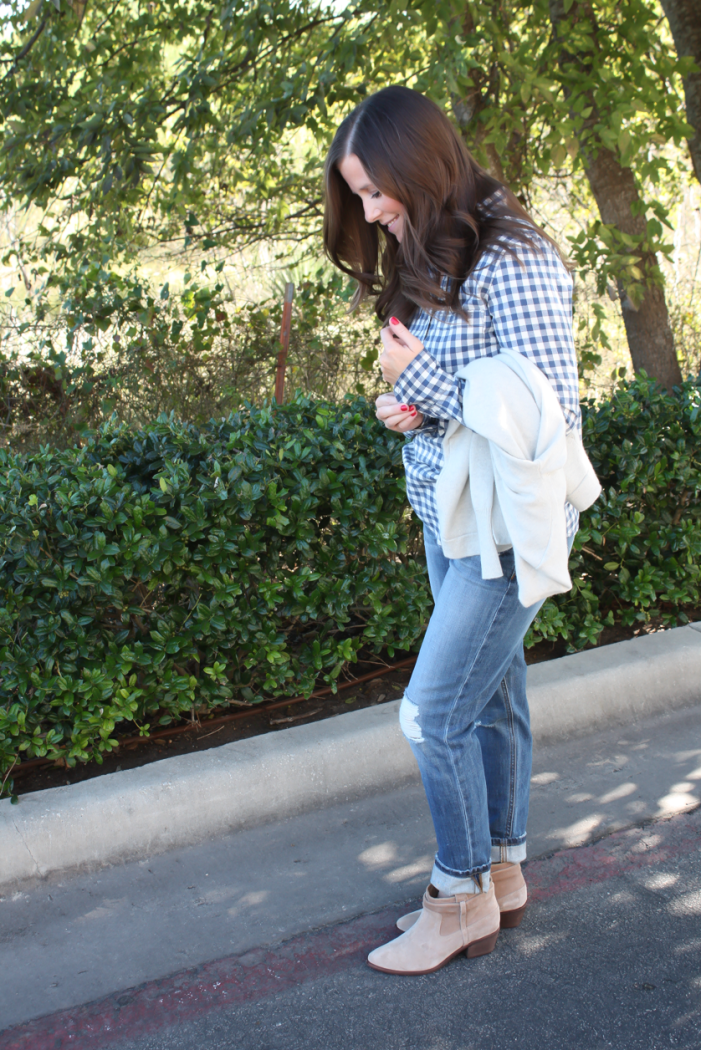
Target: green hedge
(637, 555)
(160, 573)
(152, 575)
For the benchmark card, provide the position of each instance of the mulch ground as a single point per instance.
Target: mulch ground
(207, 733)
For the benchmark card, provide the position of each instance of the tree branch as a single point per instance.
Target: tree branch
(27, 47)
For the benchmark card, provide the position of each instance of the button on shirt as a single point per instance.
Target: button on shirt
(518, 300)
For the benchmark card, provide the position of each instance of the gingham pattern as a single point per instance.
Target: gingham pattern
(520, 302)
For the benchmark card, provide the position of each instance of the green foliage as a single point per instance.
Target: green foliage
(118, 345)
(200, 124)
(176, 122)
(534, 103)
(591, 337)
(637, 555)
(149, 575)
(138, 134)
(610, 254)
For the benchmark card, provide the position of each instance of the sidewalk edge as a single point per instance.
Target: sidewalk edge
(180, 801)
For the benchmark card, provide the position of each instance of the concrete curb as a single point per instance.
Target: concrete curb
(184, 800)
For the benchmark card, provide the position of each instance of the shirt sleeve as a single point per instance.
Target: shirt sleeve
(530, 304)
(529, 300)
(434, 392)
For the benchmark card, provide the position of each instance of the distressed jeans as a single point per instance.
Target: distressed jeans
(465, 714)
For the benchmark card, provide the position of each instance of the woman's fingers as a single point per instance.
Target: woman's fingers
(402, 333)
(400, 348)
(407, 422)
(395, 411)
(415, 420)
(387, 405)
(396, 416)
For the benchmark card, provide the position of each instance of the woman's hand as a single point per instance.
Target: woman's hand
(395, 415)
(400, 349)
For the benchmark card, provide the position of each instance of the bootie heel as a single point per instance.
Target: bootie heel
(483, 946)
(511, 919)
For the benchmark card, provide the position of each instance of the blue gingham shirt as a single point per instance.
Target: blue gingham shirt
(521, 303)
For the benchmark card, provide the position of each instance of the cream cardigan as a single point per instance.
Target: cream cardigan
(507, 474)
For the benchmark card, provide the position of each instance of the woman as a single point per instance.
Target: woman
(462, 275)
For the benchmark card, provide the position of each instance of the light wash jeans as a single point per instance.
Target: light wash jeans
(465, 714)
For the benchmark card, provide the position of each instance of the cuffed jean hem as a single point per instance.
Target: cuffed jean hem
(452, 884)
(502, 854)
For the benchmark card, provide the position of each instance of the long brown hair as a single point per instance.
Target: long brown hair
(413, 154)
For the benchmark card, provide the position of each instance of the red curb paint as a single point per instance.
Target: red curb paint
(191, 993)
(264, 972)
(619, 853)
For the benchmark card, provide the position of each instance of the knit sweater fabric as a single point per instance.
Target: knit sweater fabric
(509, 469)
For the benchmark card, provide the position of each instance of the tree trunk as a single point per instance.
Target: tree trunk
(649, 334)
(684, 17)
(647, 328)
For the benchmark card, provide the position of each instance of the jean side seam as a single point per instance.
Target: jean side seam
(512, 759)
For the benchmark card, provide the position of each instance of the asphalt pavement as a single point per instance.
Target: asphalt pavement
(271, 953)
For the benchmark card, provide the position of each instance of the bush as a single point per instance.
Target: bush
(116, 345)
(637, 555)
(155, 574)
(172, 570)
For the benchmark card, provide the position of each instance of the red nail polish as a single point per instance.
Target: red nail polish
(413, 411)
(404, 408)
(393, 320)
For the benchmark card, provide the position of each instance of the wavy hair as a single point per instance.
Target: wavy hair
(413, 154)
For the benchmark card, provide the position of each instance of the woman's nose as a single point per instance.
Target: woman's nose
(372, 212)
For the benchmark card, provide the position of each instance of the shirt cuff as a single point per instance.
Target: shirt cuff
(424, 384)
(428, 423)
(408, 386)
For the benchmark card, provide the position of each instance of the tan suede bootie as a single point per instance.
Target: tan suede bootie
(511, 893)
(446, 926)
